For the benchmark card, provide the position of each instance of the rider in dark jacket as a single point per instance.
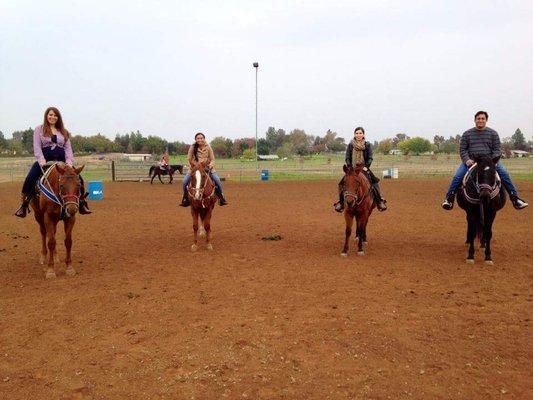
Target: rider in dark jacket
(360, 151)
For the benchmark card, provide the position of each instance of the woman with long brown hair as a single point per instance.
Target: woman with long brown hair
(51, 142)
(199, 152)
(359, 151)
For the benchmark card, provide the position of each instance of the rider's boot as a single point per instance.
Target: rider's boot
(24, 206)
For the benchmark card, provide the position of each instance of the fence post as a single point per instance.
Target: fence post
(113, 171)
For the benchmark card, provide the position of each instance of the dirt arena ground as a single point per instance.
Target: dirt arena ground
(254, 319)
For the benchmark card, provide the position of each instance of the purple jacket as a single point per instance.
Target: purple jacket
(40, 141)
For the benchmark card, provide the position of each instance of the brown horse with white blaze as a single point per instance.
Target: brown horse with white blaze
(201, 194)
(358, 204)
(58, 198)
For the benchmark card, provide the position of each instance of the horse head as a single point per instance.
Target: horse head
(486, 175)
(201, 185)
(69, 186)
(353, 185)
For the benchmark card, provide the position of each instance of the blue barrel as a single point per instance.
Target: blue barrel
(96, 190)
(264, 175)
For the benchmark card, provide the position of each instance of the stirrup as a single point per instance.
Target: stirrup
(382, 205)
(185, 203)
(338, 207)
(22, 211)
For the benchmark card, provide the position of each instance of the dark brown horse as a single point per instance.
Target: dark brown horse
(481, 197)
(58, 198)
(358, 204)
(201, 193)
(156, 170)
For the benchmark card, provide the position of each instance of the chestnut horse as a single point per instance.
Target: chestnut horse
(201, 193)
(57, 198)
(358, 204)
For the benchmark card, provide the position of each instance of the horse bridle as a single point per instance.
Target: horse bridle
(493, 189)
(200, 192)
(65, 197)
(355, 196)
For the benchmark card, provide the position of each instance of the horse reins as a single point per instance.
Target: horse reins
(50, 194)
(201, 191)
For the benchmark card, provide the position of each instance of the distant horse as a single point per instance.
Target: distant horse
(358, 204)
(201, 194)
(58, 198)
(156, 170)
(481, 197)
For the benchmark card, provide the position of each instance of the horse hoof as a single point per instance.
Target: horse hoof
(489, 262)
(201, 233)
(344, 254)
(70, 271)
(360, 253)
(210, 247)
(470, 261)
(50, 275)
(194, 248)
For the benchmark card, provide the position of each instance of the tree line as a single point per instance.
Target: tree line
(276, 141)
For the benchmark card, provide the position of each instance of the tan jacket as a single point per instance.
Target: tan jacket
(206, 154)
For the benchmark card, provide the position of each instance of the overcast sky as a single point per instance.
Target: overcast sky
(172, 68)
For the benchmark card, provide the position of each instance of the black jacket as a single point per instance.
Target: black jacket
(367, 153)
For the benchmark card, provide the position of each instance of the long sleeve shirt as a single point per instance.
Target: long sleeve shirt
(367, 154)
(205, 154)
(40, 141)
(475, 142)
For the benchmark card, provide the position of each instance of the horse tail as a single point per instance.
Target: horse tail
(151, 169)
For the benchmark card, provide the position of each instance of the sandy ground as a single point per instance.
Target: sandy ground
(254, 319)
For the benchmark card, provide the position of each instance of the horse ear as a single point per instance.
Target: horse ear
(61, 167)
(79, 169)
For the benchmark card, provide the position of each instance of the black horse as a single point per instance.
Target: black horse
(481, 196)
(156, 170)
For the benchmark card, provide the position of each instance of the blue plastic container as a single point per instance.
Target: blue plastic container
(96, 190)
(264, 175)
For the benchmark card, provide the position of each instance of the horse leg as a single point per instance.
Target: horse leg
(207, 226)
(194, 213)
(159, 176)
(470, 236)
(51, 226)
(69, 224)
(361, 226)
(171, 178)
(487, 235)
(348, 218)
(42, 229)
(152, 180)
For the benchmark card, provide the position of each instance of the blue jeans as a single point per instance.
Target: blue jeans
(463, 169)
(213, 175)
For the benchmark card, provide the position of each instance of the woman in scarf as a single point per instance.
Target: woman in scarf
(359, 151)
(199, 152)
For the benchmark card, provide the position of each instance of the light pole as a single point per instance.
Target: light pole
(256, 66)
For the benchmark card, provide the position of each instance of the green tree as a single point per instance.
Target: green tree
(301, 142)
(415, 145)
(385, 146)
(248, 154)
(263, 147)
(286, 150)
(3, 141)
(275, 138)
(438, 141)
(221, 146)
(396, 140)
(519, 141)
